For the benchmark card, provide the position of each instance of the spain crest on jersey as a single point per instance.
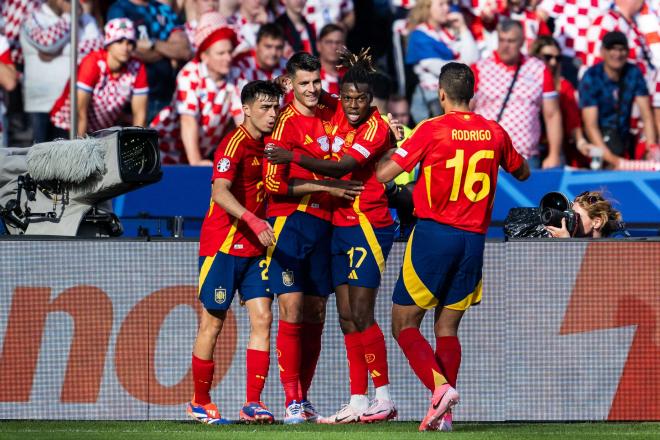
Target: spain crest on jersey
(220, 295)
(287, 278)
(337, 143)
(324, 143)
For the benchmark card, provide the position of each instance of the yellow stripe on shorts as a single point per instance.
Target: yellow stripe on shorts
(370, 235)
(473, 298)
(204, 272)
(421, 294)
(277, 230)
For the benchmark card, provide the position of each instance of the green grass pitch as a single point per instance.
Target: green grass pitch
(180, 430)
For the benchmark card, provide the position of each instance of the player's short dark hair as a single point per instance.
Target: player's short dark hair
(457, 80)
(270, 30)
(255, 89)
(330, 28)
(302, 61)
(359, 68)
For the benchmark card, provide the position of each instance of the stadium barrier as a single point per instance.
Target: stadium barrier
(567, 330)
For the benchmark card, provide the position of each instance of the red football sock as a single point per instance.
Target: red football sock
(375, 353)
(448, 355)
(257, 363)
(311, 349)
(357, 365)
(288, 353)
(421, 358)
(202, 371)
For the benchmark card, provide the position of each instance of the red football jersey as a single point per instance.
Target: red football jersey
(239, 159)
(366, 144)
(460, 154)
(310, 135)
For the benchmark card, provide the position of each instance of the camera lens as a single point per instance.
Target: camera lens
(551, 217)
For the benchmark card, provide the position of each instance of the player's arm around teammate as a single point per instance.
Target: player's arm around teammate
(459, 155)
(300, 210)
(232, 256)
(362, 237)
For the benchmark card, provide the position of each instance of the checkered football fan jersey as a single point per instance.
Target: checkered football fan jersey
(110, 92)
(247, 69)
(238, 159)
(366, 144)
(13, 13)
(521, 117)
(459, 155)
(213, 105)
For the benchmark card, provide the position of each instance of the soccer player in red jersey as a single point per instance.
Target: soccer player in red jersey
(300, 209)
(362, 236)
(232, 255)
(459, 155)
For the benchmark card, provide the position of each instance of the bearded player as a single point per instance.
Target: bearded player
(459, 155)
(362, 237)
(232, 250)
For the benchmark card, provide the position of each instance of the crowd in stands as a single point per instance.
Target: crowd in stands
(574, 82)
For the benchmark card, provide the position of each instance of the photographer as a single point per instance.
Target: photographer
(597, 218)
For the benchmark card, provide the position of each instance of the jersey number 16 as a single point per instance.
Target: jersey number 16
(471, 177)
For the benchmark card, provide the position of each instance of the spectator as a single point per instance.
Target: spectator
(247, 20)
(546, 49)
(608, 91)
(399, 108)
(533, 25)
(161, 42)
(331, 39)
(515, 90)
(298, 33)
(320, 13)
(108, 79)
(12, 16)
(7, 82)
(439, 35)
(265, 62)
(45, 39)
(195, 9)
(597, 219)
(207, 99)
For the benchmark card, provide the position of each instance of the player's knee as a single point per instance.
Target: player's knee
(291, 314)
(261, 321)
(362, 317)
(347, 326)
(314, 311)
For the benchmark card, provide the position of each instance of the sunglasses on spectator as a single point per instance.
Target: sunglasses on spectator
(548, 57)
(590, 199)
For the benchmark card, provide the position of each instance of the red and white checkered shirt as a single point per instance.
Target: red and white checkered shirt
(213, 105)
(521, 117)
(110, 92)
(614, 21)
(246, 68)
(52, 37)
(13, 13)
(572, 21)
(329, 82)
(246, 31)
(318, 13)
(5, 58)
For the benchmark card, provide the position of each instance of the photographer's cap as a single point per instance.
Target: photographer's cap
(615, 38)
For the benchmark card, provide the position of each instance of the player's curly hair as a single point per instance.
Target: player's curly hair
(359, 68)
